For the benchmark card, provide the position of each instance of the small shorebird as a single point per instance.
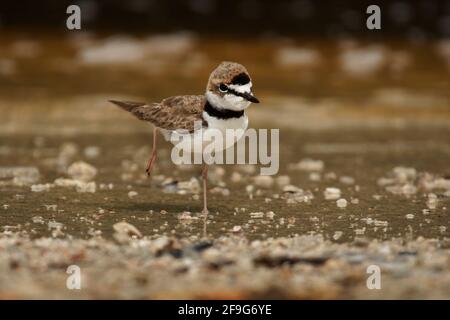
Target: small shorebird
(228, 94)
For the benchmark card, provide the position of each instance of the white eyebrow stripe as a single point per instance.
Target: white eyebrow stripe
(246, 88)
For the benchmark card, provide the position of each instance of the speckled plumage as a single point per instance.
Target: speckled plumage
(173, 113)
(184, 112)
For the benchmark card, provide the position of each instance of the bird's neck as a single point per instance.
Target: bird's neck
(221, 113)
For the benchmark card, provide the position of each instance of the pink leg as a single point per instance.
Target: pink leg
(205, 206)
(152, 159)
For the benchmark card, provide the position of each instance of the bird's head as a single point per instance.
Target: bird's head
(230, 87)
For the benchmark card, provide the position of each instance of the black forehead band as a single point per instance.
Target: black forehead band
(241, 79)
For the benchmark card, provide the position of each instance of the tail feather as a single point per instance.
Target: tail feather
(127, 105)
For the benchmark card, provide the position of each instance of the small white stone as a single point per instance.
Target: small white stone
(347, 180)
(124, 228)
(332, 193)
(91, 152)
(315, 176)
(41, 187)
(337, 235)
(236, 229)
(37, 219)
(270, 214)
(341, 203)
(132, 194)
(82, 171)
(310, 165)
(432, 201)
(257, 214)
(50, 207)
(89, 187)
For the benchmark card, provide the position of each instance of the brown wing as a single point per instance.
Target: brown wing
(179, 112)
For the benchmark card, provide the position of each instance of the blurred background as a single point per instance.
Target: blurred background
(319, 54)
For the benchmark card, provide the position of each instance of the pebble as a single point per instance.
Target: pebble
(332, 193)
(86, 187)
(293, 194)
(337, 235)
(432, 201)
(132, 194)
(257, 215)
(404, 174)
(407, 189)
(41, 187)
(330, 176)
(38, 219)
(82, 171)
(347, 180)
(108, 186)
(341, 203)
(126, 229)
(308, 165)
(270, 214)
(67, 151)
(186, 217)
(315, 176)
(80, 186)
(191, 186)
(50, 207)
(91, 152)
(236, 229)
(62, 182)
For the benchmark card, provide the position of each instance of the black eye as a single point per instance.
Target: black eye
(223, 88)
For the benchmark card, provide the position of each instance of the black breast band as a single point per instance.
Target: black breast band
(222, 113)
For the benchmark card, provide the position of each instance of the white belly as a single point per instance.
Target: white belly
(219, 135)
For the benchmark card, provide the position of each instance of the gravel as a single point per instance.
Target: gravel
(228, 267)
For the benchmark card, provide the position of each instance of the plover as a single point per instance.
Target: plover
(228, 94)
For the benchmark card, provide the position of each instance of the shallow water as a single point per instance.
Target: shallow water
(366, 156)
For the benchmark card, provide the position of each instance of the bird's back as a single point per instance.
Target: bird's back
(173, 113)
